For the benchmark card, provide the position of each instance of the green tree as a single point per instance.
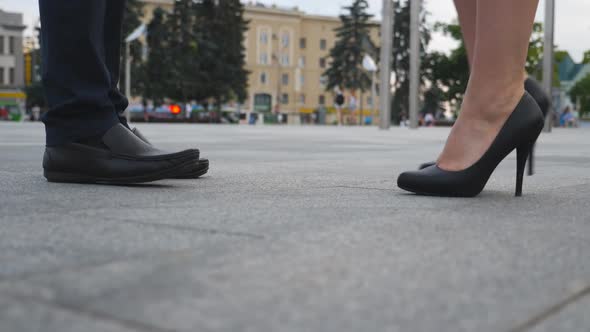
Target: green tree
(401, 56)
(452, 71)
(586, 58)
(185, 78)
(155, 75)
(221, 50)
(580, 93)
(535, 54)
(353, 39)
(132, 19)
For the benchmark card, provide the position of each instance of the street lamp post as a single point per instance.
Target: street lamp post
(414, 60)
(128, 77)
(548, 57)
(385, 70)
(140, 31)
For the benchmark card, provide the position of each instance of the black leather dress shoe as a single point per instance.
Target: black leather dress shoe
(120, 158)
(200, 168)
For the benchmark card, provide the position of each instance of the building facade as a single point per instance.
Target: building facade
(287, 52)
(11, 60)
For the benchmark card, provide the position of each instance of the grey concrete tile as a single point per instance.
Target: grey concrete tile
(573, 318)
(18, 315)
(297, 229)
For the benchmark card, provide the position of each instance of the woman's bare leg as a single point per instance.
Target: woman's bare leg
(503, 28)
(467, 11)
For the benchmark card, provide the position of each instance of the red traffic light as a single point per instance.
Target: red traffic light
(175, 109)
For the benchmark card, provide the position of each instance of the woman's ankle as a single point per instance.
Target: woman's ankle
(492, 104)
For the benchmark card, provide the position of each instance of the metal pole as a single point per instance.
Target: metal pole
(385, 65)
(127, 78)
(373, 95)
(548, 57)
(414, 61)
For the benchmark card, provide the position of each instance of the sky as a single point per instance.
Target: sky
(572, 26)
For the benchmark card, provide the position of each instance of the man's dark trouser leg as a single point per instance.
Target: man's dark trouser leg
(112, 41)
(75, 76)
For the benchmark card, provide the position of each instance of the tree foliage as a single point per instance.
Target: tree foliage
(195, 55)
(353, 42)
(221, 49)
(452, 71)
(132, 20)
(580, 93)
(156, 76)
(535, 53)
(401, 56)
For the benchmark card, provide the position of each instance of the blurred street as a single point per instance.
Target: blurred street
(295, 228)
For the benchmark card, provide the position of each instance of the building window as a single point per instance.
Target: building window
(1, 44)
(11, 45)
(302, 98)
(285, 61)
(2, 81)
(263, 78)
(302, 79)
(323, 44)
(322, 100)
(302, 61)
(285, 98)
(302, 43)
(286, 39)
(11, 76)
(263, 59)
(263, 37)
(322, 63)
(323, 81)
(285, 79)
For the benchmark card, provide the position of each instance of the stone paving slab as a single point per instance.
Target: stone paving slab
(295, 229)
(21, 315)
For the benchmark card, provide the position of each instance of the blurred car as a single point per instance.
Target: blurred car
(10, 112)
(163, 113)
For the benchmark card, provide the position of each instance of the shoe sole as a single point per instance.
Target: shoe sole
(60, 177)
(448, 195)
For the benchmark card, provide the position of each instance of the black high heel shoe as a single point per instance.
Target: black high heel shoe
(536, 91)
(519, 132)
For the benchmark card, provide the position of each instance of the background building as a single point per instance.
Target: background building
(11, 61)
(287, 51)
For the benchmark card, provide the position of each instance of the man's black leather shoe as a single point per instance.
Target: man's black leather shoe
(120, 158)
(200, 168)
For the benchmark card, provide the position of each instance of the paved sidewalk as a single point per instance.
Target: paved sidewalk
(295, 229)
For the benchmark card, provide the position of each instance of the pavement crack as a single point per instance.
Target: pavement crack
(551, 311)
(92, 314)
(208, 231)
(357, 187)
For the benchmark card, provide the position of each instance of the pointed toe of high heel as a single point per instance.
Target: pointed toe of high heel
(407, 181)
(418, 182)
(434, 181)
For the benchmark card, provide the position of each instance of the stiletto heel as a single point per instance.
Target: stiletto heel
(522, 153)
(532, 161)
(519, 132)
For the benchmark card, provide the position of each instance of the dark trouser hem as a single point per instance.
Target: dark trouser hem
(123, 120)
(72, 130)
